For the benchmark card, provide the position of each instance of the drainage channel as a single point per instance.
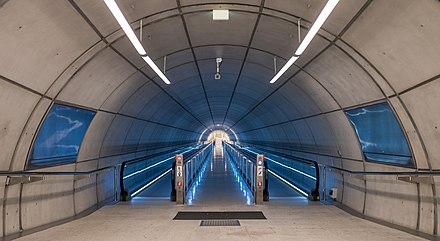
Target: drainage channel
(220, 218)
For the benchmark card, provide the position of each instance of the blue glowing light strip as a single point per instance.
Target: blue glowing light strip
(288, 183)
(149, 184)
(149, 167)
(285, 166)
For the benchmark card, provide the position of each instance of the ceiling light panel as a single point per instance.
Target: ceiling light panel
(220, 15)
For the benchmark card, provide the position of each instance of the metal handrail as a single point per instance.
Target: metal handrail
(190, 157)
(196, 152)
(33, 173)
(295, 158)
(249, 157)
(22, 177)
(412, 176)
(143, 158)
(252, 158)
(187, 159)
(387, 173)
(124, 192)
(315, 192)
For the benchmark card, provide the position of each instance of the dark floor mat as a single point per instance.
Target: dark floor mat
(218, 215)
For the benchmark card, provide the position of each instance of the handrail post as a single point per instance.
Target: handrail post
(125, 194)
(173, 182)
(314, 193)
(115, 183)
(266, 182)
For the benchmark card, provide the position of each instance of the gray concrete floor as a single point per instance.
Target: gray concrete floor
(289, 217)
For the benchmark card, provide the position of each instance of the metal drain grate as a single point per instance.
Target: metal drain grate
(220, 223)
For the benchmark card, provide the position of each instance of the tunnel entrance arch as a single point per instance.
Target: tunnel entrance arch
(218, 135)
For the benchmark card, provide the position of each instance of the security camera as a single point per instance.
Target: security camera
(217, 74)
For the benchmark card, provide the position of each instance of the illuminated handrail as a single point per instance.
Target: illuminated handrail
(313, 193)
(162, 164)
(285, 166)
(151, 166)
(125, 195)
(193, 164)
(243, 162)
(150, 183)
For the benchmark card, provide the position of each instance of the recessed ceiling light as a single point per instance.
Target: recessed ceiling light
(221, 15)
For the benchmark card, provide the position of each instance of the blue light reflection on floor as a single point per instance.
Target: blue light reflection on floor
(191, 194)
(219, 182)
(243, 187)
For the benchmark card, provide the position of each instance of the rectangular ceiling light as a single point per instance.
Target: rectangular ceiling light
(331, 4)
(111, 4)
(220, 14)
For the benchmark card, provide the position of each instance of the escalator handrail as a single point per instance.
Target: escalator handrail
(302, 160)
(137, 160)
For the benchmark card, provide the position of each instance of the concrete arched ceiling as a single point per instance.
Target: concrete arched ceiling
(185, 33)
(74, 52)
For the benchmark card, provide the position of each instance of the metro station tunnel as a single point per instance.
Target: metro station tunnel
(219, 119)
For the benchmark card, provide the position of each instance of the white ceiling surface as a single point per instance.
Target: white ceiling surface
(77, 49)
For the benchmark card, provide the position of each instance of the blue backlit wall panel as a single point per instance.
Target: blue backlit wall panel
(380, 134)
(60, 136)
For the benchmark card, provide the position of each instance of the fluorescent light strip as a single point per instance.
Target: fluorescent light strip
(331, 4)
(156, 69)
(149, 167)
(285, 166)
(111, 4)
(288, 183)
(150, 183)
(284, 69)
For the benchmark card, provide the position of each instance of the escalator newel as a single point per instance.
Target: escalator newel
(173, 183)
(266, 182)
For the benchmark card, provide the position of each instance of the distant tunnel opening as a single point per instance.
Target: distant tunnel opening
(218, 135)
